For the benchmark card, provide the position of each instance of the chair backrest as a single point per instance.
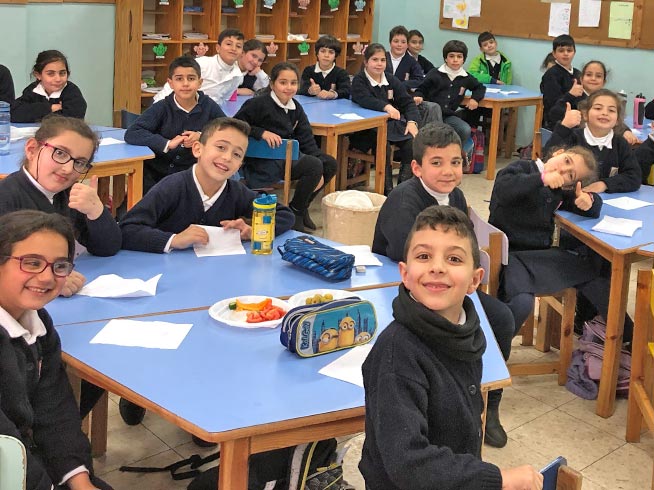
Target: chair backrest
(545, 135)
(495, 242)
(13, 463)
(261, 149)
(127, 118)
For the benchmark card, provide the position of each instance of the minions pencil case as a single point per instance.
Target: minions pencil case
(312, 330)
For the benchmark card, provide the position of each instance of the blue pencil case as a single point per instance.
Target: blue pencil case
(312, 330)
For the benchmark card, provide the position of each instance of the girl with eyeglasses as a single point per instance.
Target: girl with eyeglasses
(57, 159)
(50, 93)
(36, 401)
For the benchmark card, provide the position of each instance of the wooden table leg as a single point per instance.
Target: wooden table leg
(619, 291)
(118, 194)
(536, 150)
(234, 457)
(509, 141)
(99, 416)
(331, 148)
(135, 185)
(380, 159)
(492, 144)
(103, 189)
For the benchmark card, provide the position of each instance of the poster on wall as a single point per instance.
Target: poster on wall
(460, 11)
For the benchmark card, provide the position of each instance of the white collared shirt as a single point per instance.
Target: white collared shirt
(540, 165)
(601, 141)
(41, 91)
(197, 96)
(570, 70)
(443, 199)
(289, 106)
(324, 72)
(49, 195)
(451, 74)
(496, 59)
(374, 82)
(396, 62)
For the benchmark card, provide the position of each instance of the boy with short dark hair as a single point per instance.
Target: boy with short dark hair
(422, 378)
(491, 66)
(221, 74)
(562, 77)
(438, 170)
(325, 80)
(415, 47)
(171, 127)
(447, 86)
(400, 63)
(167, 217)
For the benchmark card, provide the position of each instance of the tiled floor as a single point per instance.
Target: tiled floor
(543, 421)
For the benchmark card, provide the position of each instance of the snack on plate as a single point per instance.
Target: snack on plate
(317, 299)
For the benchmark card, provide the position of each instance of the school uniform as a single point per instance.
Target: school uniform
(424, 63)
(34, 104)
(618, 167)
(266, 113)
(375, 96)
(555, 83)
(7, 93)
(255, 82)
(176, 202)
(423, 403)
(336, 80)
(649, 110)
(37, 404)
(406, 69)
(644, 154)
(162, 122)
(491, 69)
(19, 190)
(219, 80)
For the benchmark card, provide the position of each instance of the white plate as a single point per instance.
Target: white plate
(299, 299)
(221, 312)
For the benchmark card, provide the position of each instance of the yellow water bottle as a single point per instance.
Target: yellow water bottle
(263, 224)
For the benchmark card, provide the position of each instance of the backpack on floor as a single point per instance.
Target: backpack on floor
(477, 158)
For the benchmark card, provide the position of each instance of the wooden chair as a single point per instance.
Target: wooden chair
(13, 463)
(496, 243)
(288, 151)
(568, 479)
(350, 156)
(127, 118)
(641, 384)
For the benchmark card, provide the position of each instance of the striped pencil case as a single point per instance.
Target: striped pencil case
(310, 254)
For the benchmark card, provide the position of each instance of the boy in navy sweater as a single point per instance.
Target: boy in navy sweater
(399, 62)
(325, 80)
(415, 47)
(561, 77)
(167, 217)
(171, 127)
(422, 378)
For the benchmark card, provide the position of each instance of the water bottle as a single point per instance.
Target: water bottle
(5, 128)
(623, 100)
(263, 224)
(639, 110)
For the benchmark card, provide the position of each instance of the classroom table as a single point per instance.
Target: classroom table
(621, 252)
(324, 123)
(641, 133)
(498, 101)
(110, 161)
(191, 282)
(240, 387)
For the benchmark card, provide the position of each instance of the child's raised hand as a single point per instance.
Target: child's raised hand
(238, 224)
(392, 111)
(74, 282)
(521, 478)
(577, 89)
(273, 139)
(552, 179)
(472, 104)
(84, 198)
(583, 200)
(572, 117)
(314, 88)
(176, 141)
(190, 236)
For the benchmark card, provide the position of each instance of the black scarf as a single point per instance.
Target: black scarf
(462, 342)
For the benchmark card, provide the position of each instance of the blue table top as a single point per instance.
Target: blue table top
(522, 92)
(642, 236)
(254, 380)
(192, 282)
(641, 133)
(106, 153)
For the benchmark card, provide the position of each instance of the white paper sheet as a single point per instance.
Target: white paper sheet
(114, 286)
(490, 90)
(221, 242)
(362, 254)
(16, 133)
(348, 367)
(151, 335)
(509, 92)
(618, 226)
(559, 19)
(111, 141)
(349, 116)
(627, 203)
(589, 13)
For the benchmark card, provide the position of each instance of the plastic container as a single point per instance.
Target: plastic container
(639, 110)
(349, 217)
(263, 224)
(623, 100)
(5, 128)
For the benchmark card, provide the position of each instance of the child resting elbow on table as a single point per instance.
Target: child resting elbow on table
(168, 216)
(422, 378)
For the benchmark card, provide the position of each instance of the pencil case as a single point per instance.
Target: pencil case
(312, 330)
(310, 254)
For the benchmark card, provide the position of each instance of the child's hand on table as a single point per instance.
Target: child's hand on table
(84, 198)
(74, 282)
(238, 224)
(392, 111)
(190, 236)
(595, 187)
(630, 137)
(472, 104)
(273, 140)
(522, 478)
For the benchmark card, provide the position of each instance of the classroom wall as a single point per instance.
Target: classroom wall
(83, 32)
(630, 69)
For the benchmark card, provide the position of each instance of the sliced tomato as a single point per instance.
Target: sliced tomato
(254, 317)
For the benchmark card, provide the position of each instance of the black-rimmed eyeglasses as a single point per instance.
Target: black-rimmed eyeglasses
(80, 165)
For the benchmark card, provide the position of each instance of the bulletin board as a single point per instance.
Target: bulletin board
(530, 19)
